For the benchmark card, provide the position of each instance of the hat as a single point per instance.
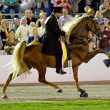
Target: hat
(101, 23)
(89, 10)
(57, 9)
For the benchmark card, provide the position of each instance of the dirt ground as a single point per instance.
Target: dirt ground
(46, 93)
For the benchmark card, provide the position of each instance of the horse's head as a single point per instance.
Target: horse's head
(78, 29)
(94, 27)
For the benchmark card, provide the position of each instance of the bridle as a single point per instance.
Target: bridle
(97, 33)
(90, 24)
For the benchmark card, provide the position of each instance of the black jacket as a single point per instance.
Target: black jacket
(51, 44)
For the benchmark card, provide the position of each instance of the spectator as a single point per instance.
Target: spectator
(31, 25)
(53, 2)
(10, 42)
(50, 7)
(1, 6)
(42, 15)
(15, 24)
(1, 17)
(64, 3)
(99, 17)
(41, 29)
(1, 44)
(95, 4)
(88, 10)
(102, 1)
(4, 32)
(27, 5)
(104, 43)
(26, 13)
(81, 6)
(34, 37)
(64, 17)
(78, 15)
(30, 17)
(92, 44)
(105, 8)
(88, 2)
(23, 31)
(74, 4)
(44, 5)
(106, 19)
(11, 4)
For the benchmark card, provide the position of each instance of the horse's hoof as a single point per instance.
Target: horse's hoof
(84, 94)
(4, 97)
(106, 62)
(60, 91)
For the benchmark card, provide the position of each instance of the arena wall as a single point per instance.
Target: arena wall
(94, 70)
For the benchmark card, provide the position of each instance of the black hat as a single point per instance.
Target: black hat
(57, 10)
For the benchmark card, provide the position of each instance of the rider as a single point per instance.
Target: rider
(51, 43)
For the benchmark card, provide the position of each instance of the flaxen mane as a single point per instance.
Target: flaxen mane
(68, 26)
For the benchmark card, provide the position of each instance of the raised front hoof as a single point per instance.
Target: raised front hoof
(5, 97)
(106, 62)
(84, 94)
(60, 91)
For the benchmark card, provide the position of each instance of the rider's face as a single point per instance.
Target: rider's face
(59, 15)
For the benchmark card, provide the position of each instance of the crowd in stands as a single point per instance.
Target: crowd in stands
(31, 25)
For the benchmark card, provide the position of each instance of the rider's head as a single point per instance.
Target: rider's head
(57, 11)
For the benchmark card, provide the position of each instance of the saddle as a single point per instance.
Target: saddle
(39, 42)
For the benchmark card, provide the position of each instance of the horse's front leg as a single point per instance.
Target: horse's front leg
(90, 55)
(75, 73)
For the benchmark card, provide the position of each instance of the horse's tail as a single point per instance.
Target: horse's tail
(18, 66)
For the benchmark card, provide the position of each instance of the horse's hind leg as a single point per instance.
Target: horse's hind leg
(42, 72)
(5, 86)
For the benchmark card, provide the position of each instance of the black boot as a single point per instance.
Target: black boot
(61, 72)
(107, 62)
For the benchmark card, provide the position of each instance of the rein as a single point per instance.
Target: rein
(96, 30)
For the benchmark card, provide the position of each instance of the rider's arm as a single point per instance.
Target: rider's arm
(55, 28)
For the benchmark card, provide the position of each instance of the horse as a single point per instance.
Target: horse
(27, 56)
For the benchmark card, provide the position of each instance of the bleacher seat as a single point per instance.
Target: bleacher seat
(12, 14)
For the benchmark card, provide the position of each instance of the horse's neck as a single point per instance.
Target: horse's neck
(79, 34)
(81, 29)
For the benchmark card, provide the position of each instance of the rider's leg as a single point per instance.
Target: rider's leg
(59, 63)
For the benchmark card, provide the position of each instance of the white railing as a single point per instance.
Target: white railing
(94, 70)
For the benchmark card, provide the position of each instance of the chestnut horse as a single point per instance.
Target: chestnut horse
(26, 57)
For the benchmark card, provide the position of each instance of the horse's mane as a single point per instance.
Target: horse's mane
(69, 25)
